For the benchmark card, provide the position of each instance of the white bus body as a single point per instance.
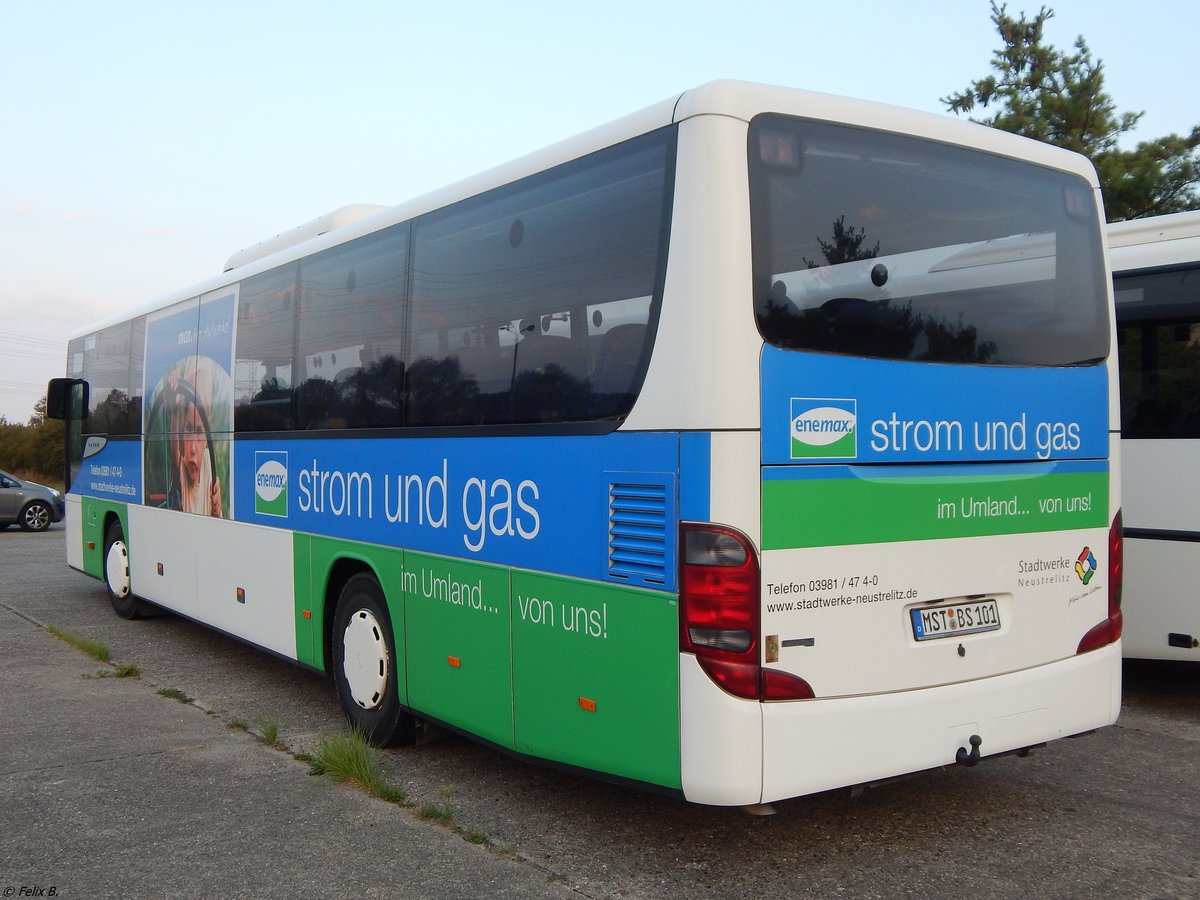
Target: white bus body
(756, 444)
(1156, 277)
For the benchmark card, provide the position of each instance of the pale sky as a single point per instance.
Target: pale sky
(142, 143)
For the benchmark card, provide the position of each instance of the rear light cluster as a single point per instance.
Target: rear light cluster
(720, 614)
(1109, 630)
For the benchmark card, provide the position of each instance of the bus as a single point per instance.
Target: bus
(759, 443)
(1156, 281)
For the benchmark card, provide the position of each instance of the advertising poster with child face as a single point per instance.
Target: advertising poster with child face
(189, 405)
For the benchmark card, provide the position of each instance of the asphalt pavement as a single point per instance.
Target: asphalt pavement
(108, 789)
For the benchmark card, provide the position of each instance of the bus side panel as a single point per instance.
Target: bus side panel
(1170, 500)
(457, 641)
(721, 735)
(595, 677)
(74, 526)
(704, 366)
(245, 581)
(722, 741)
(163, 558)
(1160, 599)
(309, 649)
(92, 514)
(811, 746)
(734, 482)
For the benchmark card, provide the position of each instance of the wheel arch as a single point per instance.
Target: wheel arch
(111, 516)
(341, 570)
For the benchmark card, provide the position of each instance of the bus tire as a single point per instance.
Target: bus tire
(364, 664)
(116, 574)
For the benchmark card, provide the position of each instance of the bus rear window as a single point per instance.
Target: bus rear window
(873, 244)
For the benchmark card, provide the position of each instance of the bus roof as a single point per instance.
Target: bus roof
(1154, 241)
(736, 99)
(332, 221)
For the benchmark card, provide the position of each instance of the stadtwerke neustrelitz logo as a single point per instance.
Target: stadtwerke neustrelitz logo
(824, 428)
(271, 482)
(1085, 565)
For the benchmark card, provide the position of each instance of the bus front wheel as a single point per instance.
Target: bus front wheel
(116, 574)
(364, 664)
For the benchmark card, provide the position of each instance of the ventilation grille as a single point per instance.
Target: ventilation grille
(638, 519)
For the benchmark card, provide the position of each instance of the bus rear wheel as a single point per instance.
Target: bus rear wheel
(364, 664)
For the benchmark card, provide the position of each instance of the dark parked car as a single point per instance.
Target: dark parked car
(32, 506)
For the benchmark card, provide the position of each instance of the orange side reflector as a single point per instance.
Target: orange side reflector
(454, 661)
(587, 705)
(307, 613)
(91, 545)
(241, 595)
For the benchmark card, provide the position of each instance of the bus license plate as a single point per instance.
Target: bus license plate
(954, 619)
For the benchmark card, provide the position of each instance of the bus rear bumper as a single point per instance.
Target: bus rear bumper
(809, 746)
(813, 746)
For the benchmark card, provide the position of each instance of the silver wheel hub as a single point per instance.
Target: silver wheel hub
(365, 659)
(117, 569)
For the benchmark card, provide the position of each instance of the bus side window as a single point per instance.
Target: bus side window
(617, 366)
(536, 260)
(262, 380)
(350, 358)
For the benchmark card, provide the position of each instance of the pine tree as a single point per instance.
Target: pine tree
(1041, 92)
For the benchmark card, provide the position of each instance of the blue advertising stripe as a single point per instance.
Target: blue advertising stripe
(822, 407)
(695, 476)
(537, 503)
(111, 471)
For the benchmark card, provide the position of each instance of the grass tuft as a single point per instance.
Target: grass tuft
(471, 836)
(122, 670)
(268, 730)
(94, 649)
(440, 810)
(350, 758)
(175, 694)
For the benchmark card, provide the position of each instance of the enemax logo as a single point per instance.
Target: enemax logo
(824, 428)
(270, 482)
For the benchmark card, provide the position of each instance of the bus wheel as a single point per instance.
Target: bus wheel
(116, 575)
(364, 664)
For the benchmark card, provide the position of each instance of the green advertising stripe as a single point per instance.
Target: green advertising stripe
(819, 512)
(596, 676)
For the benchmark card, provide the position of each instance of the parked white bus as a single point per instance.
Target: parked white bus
(1156, 279)
(760, 443)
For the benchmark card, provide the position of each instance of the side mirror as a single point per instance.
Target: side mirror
(59, 393)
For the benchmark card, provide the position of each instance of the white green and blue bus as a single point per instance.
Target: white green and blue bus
(759, 443)
(1156, 281)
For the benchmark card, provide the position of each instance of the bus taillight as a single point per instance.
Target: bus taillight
(1109, 630)
(719, 619)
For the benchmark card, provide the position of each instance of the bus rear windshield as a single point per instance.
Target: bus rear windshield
(873, 244)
